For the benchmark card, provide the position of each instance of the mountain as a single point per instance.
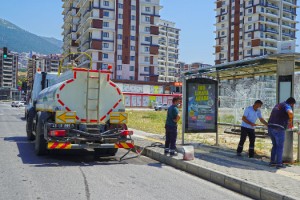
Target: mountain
(19, 40)
(54, 41)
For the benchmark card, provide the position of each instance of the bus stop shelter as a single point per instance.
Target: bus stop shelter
(283, 66)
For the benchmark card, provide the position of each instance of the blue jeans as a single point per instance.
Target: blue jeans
(277, 136)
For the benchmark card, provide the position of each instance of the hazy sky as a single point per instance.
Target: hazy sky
(195, 18)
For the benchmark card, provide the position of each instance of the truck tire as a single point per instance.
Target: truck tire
(40, 142)
(29, 124)
(105, 152)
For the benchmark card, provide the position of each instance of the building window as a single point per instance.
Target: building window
(119, 77)
(131, 68)
(147, 18)
(249, 19)
(131, 78)
(147, 9)
(250, 10)
(120, 36)
(119, 67)
(147, 49)
(132, 37)
(147, 59)
(223, 33)
(119, 46)
(132, 28)
(106, 34)
(147, 39)
(146, 69)
(106, 13)
(249, 35)
(104, 66)
(132, 58)
(132, 48)
(248, 51)
(147, 29)
(120, 16)
(106, 3)
(133, 7)
(120, 26)
(105, 24)
(105, 45)
(120, 5)
(249, 27)
(119, 57)
(133, 17)
(146, 78)
(105, 55)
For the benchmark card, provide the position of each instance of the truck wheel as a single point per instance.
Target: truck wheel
(40, 142)
(105, 152)
(29, 124)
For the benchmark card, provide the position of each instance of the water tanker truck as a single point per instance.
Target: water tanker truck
(78, 109)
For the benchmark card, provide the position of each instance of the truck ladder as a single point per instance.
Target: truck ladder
(92, 102)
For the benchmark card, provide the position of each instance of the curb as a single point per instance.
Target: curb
(232, 183)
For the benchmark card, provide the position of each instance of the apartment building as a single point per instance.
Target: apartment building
(251, 28)
(51, 62)
(120, 33)
(192, 68)
(168, 52)
(8, 70)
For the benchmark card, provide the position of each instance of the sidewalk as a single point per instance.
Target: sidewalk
(249, 176)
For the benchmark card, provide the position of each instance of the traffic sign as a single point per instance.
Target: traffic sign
(65, 117)
(118, 117)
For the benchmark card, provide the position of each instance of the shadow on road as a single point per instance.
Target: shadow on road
(60, 158)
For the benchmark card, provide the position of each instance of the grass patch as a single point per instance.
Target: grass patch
(149, 121)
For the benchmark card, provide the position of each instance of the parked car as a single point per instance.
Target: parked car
(13, 104)
(20, 103)
(161, 107)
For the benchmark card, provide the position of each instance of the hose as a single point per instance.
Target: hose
(154, 144)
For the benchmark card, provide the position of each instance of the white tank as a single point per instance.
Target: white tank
(81, 91)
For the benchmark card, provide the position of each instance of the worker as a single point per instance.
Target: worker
(280, 119)
(171, 127)
(249, 118)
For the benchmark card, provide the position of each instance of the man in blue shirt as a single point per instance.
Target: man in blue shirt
(171, 126)
(249, 118)
(280, 119)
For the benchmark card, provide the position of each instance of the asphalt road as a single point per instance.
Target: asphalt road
(78, 175)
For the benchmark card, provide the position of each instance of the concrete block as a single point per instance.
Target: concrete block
(171, 161)
(163, 158)
(149, 153)
(233, 184)
(289, 198)
(155, 156)
(180, 164)
(250, 190)
(217, 178)
(270, 195)
(204, 173)
(192, 169)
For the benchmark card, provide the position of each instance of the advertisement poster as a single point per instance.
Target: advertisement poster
(201, 113)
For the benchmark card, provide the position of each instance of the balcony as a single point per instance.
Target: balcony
(271, 5)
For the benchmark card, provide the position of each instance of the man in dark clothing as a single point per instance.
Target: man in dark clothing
(171, 126)
(280, 119)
